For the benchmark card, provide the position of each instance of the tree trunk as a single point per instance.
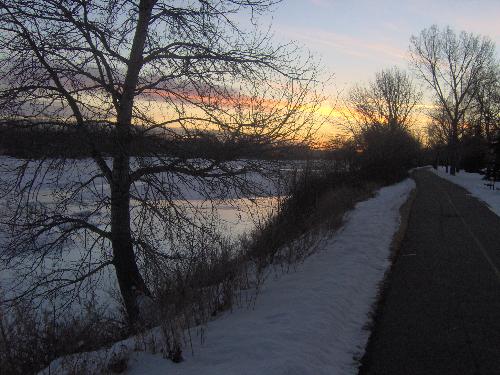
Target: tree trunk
(129, 278)
(453, 148)
(487, 129)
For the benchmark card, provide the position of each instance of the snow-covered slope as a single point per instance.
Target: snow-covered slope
(474, 184)
(309, 321)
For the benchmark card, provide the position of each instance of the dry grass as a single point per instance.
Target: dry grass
(319, 201)
(30, 340)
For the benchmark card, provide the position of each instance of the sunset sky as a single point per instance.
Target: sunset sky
(355, 38)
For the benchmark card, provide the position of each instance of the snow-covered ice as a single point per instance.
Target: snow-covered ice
(475, 185)
(309, 321)
(221, 206)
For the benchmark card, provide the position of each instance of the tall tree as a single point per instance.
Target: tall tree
(484, 116)
(390, 99)
(454, 66)
(379, 117)
(144, 68)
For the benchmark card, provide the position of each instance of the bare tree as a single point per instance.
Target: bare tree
(175, 71)
(454, 66)
(379, 117)
(438, 133)
(388, 100)
(438, 129)
(484, 115)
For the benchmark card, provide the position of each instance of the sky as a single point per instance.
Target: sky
(356, 38)
(353, 39)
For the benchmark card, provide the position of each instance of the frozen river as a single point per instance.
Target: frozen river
(219, 206)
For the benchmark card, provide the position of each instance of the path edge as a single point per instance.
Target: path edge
(395, 250)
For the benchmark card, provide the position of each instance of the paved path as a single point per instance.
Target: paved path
(440, 312)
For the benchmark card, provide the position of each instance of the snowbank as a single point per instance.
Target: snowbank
(474, 184)
(309, 321)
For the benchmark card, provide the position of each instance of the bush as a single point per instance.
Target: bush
(387, 153)
(318, 198)
(29, 341)
(473, 154)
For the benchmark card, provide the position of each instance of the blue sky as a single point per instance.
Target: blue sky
(356, 38)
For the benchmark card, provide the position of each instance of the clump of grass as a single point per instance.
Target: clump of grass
(30, 340)
(196, 291)
(318, 200)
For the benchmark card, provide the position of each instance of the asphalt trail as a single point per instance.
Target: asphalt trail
(440, 311)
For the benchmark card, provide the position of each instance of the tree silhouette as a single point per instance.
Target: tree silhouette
(390, 99)
(454, 66)
(176, 71)
(379, 117)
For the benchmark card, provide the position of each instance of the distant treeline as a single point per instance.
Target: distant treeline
(32, 140)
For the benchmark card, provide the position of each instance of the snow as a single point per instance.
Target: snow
(475, 185)
(308, 321)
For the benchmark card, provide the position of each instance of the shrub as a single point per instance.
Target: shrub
(30, 340)
(318, 198)
(387, 153)
(473, 153)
